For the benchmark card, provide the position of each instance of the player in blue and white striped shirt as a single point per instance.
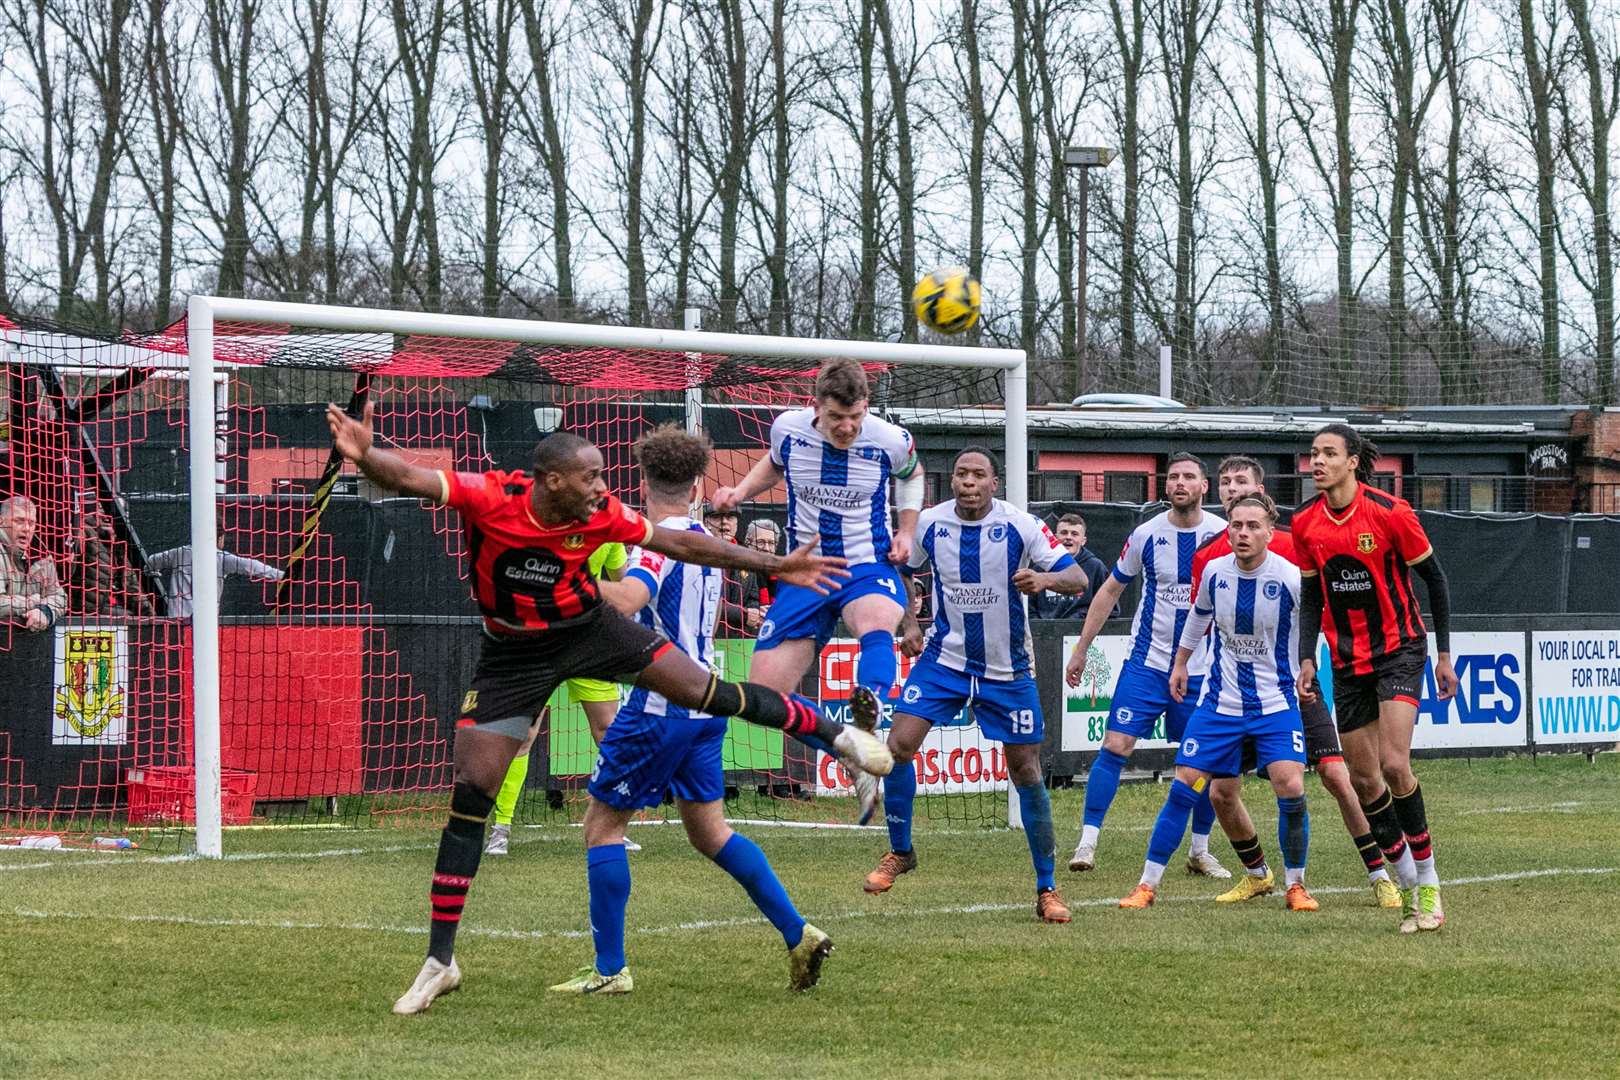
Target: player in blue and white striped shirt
(987, 556)
(1160, 551)
(837, 462)
(1252, 599)
(654, 746)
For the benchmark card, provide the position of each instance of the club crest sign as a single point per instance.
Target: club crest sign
(91, 672)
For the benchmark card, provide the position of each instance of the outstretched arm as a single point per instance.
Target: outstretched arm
(382, 467)
(760, 479)
(818, 572)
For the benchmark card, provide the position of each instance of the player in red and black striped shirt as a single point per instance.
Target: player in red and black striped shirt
(1237, 476)
(1357, 549)
(529, 536)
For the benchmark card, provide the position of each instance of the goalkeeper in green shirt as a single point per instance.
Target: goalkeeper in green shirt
(598, 697)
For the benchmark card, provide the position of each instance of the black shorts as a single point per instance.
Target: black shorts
(516, 675)
(1321, 737)
(1396, 676)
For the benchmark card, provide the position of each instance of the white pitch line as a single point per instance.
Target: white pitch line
(1553, 808)
(716, 924)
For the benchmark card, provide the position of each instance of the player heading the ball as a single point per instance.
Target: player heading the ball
(838, 462)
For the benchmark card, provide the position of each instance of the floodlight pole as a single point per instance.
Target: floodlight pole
(1084, 158)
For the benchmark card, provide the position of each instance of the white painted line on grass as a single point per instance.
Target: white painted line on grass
(1545, 808)
(717, 924)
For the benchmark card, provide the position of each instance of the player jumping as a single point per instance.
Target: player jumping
(1235, 477)
(544, 621)
(836, 461)
(1251, 597)
(1358, 546)
(599, 699)
(1161, 550)
(986, 556)
(654, 746)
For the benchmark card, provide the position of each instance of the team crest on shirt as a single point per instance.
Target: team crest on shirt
(1189, 747)
(574, 541)
(1366, 543)
(1272, 590)
(998, 533)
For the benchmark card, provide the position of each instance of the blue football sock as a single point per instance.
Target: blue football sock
(742, 859)
(899, 797)
(875, 667)
(1102, 784)
(608, 872)
(1035, 808)
(1293, 830)
(1172, 823)
(1203, 815)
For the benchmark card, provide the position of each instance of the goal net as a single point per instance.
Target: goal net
(340, 614)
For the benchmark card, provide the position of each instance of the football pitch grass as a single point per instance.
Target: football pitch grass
(283, 959)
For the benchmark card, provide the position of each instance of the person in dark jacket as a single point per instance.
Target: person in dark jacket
(1071, 533)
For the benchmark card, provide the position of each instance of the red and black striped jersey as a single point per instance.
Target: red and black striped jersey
(528, 576)
(1363, 553)
(1282, 542)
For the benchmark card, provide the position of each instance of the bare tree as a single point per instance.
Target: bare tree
(487, 46)
(1257, 125)
(1405, 103)
(970, 70)
(165, 66)
(1441, 214)
(780, 318)
(1183, 28)
(82, 98)
(1598, 61)
(1129, 33)
(544, 130)
(233, 56)
(1328, 31)
(901, 71)
(1540, 57)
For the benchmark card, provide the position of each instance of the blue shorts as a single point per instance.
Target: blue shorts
(1009, 712)
(642, 756)
(800, 613)
(1142, 695)
(1214, 741)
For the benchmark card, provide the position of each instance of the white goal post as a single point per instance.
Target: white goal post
(204, 311)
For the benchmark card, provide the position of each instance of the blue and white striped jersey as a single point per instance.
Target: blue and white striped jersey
(1256, 617)
(684, 601)
(1163, 555)
(841, 496)
(981, 626)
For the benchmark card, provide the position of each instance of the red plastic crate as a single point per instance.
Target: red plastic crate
(165, 794)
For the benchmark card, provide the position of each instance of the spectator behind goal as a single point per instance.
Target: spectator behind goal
(174, 569)
(1071, 533)
(103, 582)
(756, 592)
(30, 591)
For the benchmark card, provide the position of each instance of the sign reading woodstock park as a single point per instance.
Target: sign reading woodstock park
(1491, 709)
(1576, 675)
(90, 699)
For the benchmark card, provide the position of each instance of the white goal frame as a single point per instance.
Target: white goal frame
(204, 416)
